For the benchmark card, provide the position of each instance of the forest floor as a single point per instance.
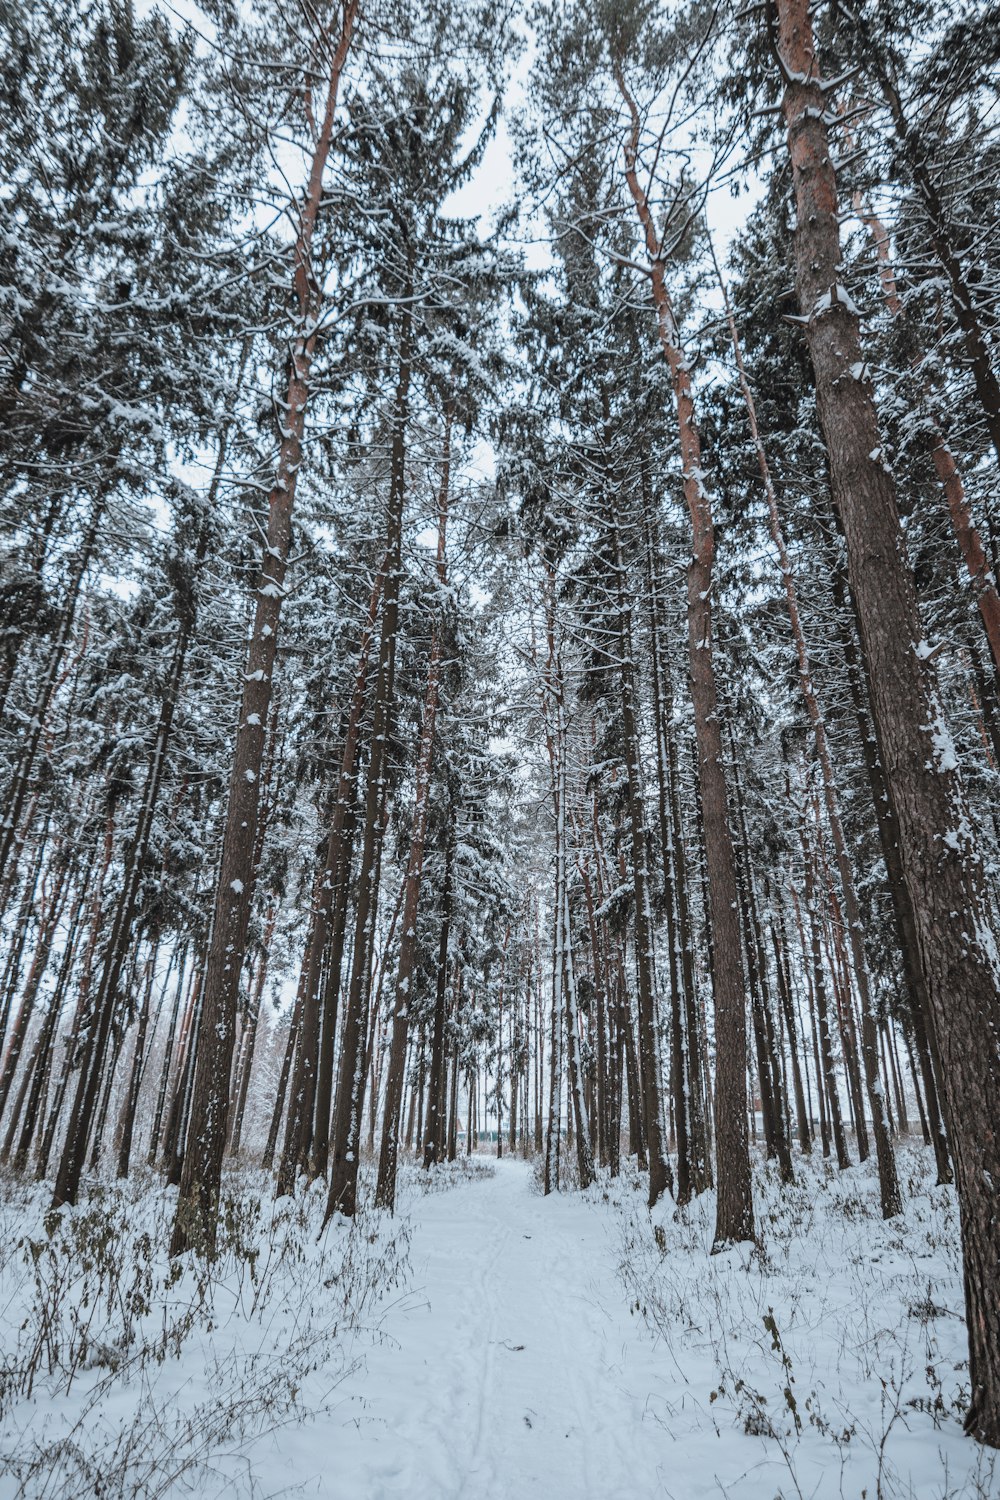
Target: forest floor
(492, 1344)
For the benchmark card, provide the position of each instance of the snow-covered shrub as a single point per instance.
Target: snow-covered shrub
(446, 1174)
(124, 1372)
(836, 1344)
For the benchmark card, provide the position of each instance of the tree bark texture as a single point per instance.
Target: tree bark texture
(194, 1224)
(937, 846)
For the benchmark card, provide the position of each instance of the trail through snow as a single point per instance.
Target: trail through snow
(511, 1369)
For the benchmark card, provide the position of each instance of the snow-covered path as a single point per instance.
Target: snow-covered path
(512, 1369)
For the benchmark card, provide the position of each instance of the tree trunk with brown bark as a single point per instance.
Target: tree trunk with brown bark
(385, 1189)
(352, 1074)
(941, 864)
(734, 1210)
(194, 1224)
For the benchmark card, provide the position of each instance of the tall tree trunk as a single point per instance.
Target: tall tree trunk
(452, 1129)
(888, 1179)
(633, 1082)
(734, 1212)
(267, 1160)
(434, 1134)
(385, 1189)
(553, 1128)
(330, 999)
(195, 1221)
(601, 995)
(791, 1026)
(873, 755)
(580, 1117)
(776, 1134)
(564, 978)
(168, 1049)
(249, 1043)
(660, 1176)
(941, 864)
(331, 887)
(823, 1014)
(180, 1104)
(351, 1079)
(126, 1123)
(683, 1058)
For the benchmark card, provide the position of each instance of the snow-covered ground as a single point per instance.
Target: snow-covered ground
(493, 1344)
(831, 1362)
(517, 1369)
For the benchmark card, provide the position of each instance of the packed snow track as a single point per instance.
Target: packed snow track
(511, 1369)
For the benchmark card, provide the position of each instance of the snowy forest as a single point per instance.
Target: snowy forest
(500, 749)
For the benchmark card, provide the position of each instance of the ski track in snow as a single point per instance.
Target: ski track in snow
(508, 1371)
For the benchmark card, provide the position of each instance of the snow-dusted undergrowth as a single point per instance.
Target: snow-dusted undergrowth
(126, 1375)
(508, 1362)
(838, 1347)
(445, 1175)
